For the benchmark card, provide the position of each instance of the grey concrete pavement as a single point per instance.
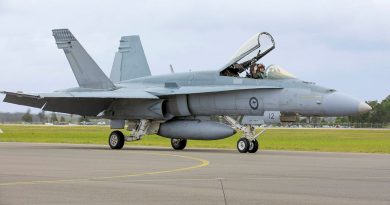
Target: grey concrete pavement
(92, 174)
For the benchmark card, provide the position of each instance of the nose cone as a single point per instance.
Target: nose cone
(338, 104)
(364, 108)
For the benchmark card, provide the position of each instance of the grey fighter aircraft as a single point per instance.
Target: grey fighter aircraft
(179, 105)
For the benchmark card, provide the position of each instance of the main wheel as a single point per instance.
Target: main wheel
(116, 140)
(253, 146)
(243, 145)
(178, 144)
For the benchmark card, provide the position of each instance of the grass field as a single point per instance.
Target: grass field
(332, 140)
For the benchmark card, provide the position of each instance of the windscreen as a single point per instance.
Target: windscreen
(277, 72)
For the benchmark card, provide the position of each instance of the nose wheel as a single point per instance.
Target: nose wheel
(253, 146)
(244, 145)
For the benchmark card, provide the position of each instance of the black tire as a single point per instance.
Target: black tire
(253, 146)
(243, 145)
(116, 140)
(178, 144)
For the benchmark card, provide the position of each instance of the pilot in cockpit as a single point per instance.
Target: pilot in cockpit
(257, 71)
(243, 62)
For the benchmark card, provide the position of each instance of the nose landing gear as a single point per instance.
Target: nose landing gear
(247, 143)
(244, 145)
(253, 146)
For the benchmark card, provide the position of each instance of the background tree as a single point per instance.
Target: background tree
(386, 107)
(62, 119)
(53, 117)
(315, 119)
(27, 117)
(42, 117)
(84, 119)
(340, 120)
(303, 120)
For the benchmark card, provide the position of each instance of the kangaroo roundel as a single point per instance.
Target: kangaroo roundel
(253, 103)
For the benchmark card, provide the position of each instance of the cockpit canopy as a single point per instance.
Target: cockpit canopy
(249, 47)
(248, 54)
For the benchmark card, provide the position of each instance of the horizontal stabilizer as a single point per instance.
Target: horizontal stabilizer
(87, 72)
(23, 99)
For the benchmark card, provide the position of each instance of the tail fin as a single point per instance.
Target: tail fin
(87, 72)
(130, 61)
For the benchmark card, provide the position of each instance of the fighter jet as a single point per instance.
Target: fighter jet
(179, 106)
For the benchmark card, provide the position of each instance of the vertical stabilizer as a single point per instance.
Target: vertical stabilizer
(87, 72)
(130, 61)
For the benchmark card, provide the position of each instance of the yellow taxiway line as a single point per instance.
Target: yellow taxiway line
(202, 163)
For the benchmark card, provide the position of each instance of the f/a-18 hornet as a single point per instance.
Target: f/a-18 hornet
(180, 105)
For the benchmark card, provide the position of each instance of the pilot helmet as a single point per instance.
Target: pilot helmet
(260, 66)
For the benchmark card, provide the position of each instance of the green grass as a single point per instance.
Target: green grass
(332, 140)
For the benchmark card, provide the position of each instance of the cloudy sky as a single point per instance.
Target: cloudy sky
(338, 44)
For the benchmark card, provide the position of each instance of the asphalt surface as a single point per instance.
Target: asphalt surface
(89, 174)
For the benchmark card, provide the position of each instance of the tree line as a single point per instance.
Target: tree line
(43, 118)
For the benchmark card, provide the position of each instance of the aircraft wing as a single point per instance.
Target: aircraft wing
(165, 91)
(81, 103)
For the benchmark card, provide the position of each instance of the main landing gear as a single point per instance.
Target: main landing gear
(117, 139)
(247, 143)
(178, 144)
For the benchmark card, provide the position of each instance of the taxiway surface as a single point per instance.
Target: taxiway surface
(93, 174)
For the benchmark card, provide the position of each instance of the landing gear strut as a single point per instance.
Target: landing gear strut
(247, 143)
(117, 139)
(178, 144)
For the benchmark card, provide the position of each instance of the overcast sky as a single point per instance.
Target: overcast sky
(343, 45)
